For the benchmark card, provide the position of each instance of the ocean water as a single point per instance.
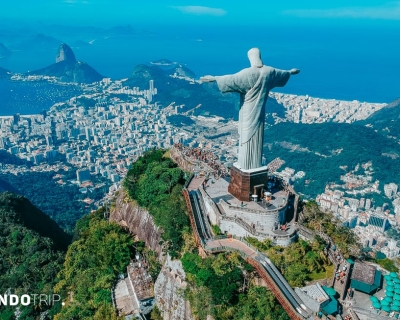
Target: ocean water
(346, 63)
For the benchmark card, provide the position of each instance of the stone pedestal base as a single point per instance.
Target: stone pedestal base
(243, 182)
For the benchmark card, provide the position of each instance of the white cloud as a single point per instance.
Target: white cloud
(200, 10)
(75, 2)
(390, 11)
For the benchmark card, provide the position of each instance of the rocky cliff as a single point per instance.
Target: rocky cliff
(170, 283)
(139, 222)
(184, 164)
(168, 291)
(182, 71)
(68, 69)
(65, 53)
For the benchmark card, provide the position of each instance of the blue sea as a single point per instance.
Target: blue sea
(347, 63)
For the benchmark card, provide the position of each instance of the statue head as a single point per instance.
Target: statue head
(254, 55)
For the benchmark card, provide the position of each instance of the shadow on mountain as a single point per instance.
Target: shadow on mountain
(386, 120)
(19, 210)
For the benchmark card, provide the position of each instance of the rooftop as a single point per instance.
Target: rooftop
(217, 189)
(316, 292)
(363, 272)
(141, 280)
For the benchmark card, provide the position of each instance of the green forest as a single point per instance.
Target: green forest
(63, 203)
(299, 262)
(37, 257)
(101, 251)
(325, 139)
(156, 183)
(32, 249)
(222, 286)
(344, 238)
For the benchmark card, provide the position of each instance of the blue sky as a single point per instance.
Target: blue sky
(201, 12)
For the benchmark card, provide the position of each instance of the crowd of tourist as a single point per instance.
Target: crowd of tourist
(205, 156)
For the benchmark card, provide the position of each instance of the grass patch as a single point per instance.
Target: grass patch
(319, 275)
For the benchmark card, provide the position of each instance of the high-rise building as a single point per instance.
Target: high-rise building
(3, 143)
(16, 118)
(378, 222)
(149, 96)
(367, 204)
(151, 84)
(88, 133)
(83, 175)
(38, 158)
(390, 189)
(49, 141)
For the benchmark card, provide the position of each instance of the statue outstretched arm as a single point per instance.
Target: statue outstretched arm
(294, 71)
(207, 79)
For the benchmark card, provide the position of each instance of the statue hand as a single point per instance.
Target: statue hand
(207, 79)
(294, 71)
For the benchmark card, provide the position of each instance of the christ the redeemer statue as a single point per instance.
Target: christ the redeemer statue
(253, 84)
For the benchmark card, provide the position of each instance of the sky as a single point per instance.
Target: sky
(217, 12)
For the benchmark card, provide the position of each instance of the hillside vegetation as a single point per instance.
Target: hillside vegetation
(156, 183)
(299, 262)
(31, 250)
(222, 286)
(101, 251)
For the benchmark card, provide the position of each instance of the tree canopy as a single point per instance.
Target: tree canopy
(221, 286)
(30, 259)
(299, 262)
(156, 183)
(343, 237)
(92, 263)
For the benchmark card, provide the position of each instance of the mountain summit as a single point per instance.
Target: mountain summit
(65, 53)
(68, 69)
(4, 51)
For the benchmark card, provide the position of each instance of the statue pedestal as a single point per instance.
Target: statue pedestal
(245, 183)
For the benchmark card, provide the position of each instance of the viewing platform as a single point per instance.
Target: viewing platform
(270, 217)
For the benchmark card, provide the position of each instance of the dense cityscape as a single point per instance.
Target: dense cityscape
(99, 136)
(103, 131)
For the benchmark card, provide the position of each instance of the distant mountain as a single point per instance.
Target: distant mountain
(182, 71)
(169, 89)
(386, 120)
(4, 73)
(83, 32)
(65, 53)
(162, 62)
(39, 42)
(80, 44)
(183, 92)
(122, 30)
(68, 69)
(4, 51)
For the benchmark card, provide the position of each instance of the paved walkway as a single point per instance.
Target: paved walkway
(195, 183)
(234, 244)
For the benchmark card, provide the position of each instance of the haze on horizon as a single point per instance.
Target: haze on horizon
(345, 49)
(179, 12)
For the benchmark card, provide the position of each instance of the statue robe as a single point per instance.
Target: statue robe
(253, 84)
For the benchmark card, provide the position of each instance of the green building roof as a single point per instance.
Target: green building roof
(332, 307)
(365, 278)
